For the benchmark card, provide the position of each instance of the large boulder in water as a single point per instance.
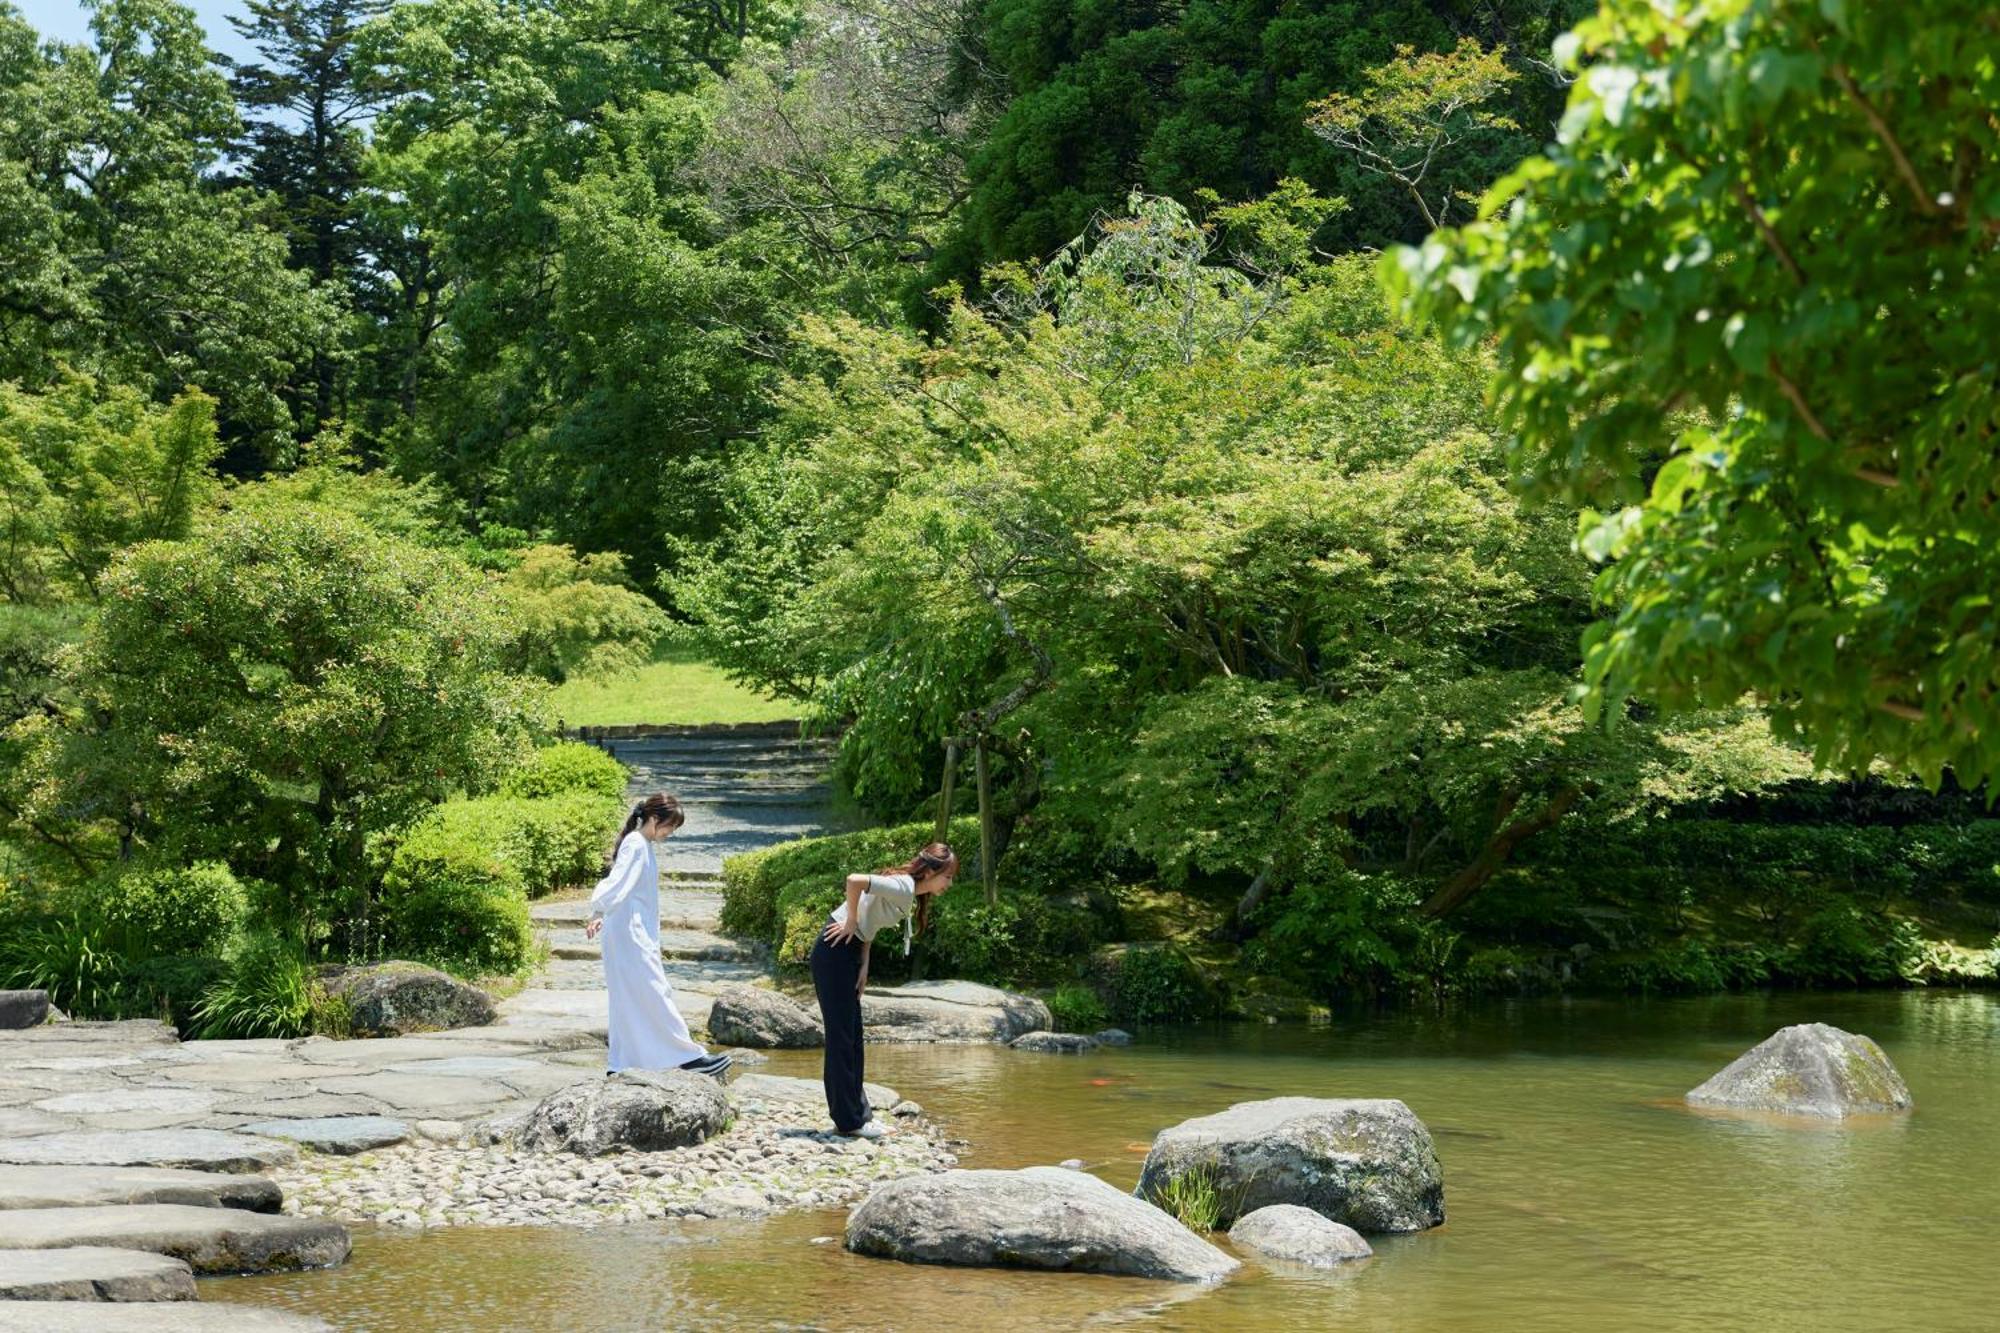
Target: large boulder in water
(1367, 1163)
(396, 999)
(1808, 1069)
(747, 1016)
(640, 1110)
(1298, 1235)
(950, 1011)
(1041, 1217)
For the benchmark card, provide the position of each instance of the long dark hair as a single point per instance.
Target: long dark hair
(660, 806)
(934, 857)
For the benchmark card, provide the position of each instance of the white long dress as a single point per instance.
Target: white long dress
(647, 1030)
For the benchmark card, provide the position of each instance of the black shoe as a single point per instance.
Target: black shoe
(715, 1066)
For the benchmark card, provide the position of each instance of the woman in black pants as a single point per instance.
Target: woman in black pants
(840, 969)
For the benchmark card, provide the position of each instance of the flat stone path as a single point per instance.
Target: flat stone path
(83, 1186)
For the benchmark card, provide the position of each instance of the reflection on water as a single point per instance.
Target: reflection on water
(1580, 1194)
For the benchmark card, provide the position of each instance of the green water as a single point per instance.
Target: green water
(1580, 1194)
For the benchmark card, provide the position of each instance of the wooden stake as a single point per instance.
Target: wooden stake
(944, 793)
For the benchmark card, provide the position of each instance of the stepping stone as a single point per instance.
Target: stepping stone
(82, 1186)
(424, 1098)
(209, 1240)
(343, 1136)
(93, 1273)
(150, 1317)
(202, 1149)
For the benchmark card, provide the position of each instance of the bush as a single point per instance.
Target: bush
(1077, 1008)
(1160, 985)
(195, 910)
(264, 992)
(1346, 932)
(551, 843)
(1022, 937)
(568, 766)
(449, 899)
(755, 885)
(73, 961)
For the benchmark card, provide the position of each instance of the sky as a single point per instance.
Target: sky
(66, 20)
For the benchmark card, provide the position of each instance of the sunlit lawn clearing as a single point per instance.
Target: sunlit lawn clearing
(676, 688)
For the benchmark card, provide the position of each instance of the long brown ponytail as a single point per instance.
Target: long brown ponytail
(660, 806)
(935, 857)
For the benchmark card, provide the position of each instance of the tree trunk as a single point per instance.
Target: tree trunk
(1238, 925)
(1506, 837)
(986, 855)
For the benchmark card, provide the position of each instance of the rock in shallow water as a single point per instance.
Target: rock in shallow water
(748, 1016)
(1300, 1235)
(1113, 1037)
(1040, 1217)
(93, 1273)
(1809, 1069)
(644, 1111)
(209, 1240)
(1365, 1162)
(1054, 1043)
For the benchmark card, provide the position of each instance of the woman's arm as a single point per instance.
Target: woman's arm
(617, 886)
(849, 925)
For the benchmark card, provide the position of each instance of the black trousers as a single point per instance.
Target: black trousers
(836, 970)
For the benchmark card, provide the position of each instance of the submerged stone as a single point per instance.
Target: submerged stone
(1299, 1235)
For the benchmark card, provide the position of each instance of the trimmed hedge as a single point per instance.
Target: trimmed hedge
(564, 768)
(449, 898)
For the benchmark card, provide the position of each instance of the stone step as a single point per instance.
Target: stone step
(83, 1186)
(208, 1240)
(150, 1317)
(201, 1149)
(699, 910)
(93, 1273)
(679, 945)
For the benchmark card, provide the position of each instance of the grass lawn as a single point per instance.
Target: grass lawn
(676, 688)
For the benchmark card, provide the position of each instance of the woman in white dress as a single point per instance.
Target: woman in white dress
(647, 1030)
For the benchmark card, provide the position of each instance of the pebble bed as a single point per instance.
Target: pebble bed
(774, 1158)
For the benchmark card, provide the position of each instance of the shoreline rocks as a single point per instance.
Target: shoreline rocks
(1367, 1163)
(1808, 1069)
(1299, 1235)
(777, 1155)
(1041, 1217)
(762, 1019)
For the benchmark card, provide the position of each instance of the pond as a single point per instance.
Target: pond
(1581, 1195)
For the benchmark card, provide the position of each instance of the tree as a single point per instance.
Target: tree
(1239, 559)
(1745, 304)
(273, 691)
(1410, 115)
(124, 263)
(304, 142)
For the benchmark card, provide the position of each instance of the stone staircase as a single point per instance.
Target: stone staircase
(743, 789)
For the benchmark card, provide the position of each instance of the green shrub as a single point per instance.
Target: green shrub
(551, 844)
(567, 767)
(1193, 1195)
(264, 992)
(1160, 985)
(1343, 933)
(1077, 1008)
(449, 899)
(755, 885)
(160, 911)
(1021, 938)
